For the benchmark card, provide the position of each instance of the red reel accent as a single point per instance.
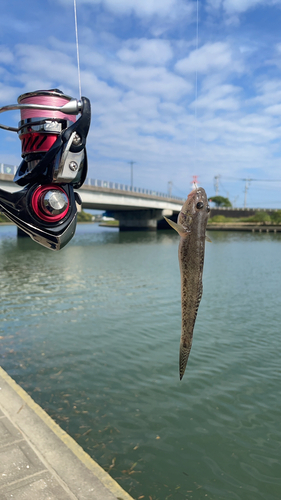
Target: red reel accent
(35, 203)
(33, 142)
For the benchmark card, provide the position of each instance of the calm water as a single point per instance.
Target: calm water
(92, 333)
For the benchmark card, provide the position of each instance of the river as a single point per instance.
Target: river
(92, 334)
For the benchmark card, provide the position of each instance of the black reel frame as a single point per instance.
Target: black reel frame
(59, 171)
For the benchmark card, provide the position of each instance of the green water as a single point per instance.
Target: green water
(92, 333)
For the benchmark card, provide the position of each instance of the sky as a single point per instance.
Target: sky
(180, 87)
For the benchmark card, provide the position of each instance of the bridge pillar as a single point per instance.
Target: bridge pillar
(139, 220)
(21, 233)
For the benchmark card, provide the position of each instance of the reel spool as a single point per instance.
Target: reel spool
(53, 142)
(38, 129)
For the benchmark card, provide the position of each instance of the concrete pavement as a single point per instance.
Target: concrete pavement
(40, 461)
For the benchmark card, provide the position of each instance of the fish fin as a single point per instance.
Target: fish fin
(208, 239)
(184, 354)
(177, 227)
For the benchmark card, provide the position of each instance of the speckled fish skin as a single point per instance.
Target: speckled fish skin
(191, 225)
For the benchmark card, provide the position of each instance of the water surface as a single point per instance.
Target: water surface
(92, 334)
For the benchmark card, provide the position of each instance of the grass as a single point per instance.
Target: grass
(110, 223)
(258, 217)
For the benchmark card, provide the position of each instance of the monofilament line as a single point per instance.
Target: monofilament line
(77, 48)
(196, 81)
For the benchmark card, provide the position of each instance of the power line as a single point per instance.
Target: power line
(255, 180)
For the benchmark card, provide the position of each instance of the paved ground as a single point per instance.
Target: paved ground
(39, 461)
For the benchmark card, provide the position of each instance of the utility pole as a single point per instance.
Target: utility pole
(247, 184)
(216, 184)
(132, 178)
(170, 185)
(235, 200)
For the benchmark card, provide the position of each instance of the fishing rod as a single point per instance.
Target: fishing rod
(54, 163)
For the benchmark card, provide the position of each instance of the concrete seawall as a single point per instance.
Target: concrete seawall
(244, 226)
(40, 461)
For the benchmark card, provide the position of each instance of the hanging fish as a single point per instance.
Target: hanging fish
(191, 226)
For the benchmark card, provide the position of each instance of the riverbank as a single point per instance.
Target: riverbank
(110, 223)
(38, 458)
(244, 226)
(253, 227)
(228, 226)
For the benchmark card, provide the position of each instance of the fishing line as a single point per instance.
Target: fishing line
(196, 84)
(77, 48)
(197, 43)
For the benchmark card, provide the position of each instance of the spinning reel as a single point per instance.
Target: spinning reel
(54, 164)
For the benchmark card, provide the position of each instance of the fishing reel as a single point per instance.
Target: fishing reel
(54, 164)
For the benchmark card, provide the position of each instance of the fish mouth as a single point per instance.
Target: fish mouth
(198, 194)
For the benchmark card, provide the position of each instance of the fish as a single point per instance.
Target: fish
(191, 226)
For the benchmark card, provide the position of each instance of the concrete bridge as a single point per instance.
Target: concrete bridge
(135, 208)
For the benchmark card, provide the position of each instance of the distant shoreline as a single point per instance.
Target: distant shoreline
(212, 226)
(253, 227)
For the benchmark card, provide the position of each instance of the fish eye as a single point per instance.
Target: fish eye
(200, 204)
(208, 208)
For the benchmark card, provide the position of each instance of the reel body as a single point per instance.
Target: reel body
(54, 164)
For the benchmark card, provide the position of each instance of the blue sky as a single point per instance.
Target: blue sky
(140, 60)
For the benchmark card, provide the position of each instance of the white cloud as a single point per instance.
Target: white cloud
(6, 55)
(150, 80)
(8, 95)
(102, 94)
(221, 97)
(268, 93)
(216, 56)
(233, 6)
(274, 110)
(275, 56)
(139, 105)
(142, 8)
(240, 6)
(47, 65)
(144, 51)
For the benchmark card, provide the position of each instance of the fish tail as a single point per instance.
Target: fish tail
(184, 353)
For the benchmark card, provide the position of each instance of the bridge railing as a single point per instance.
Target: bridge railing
(125, 187)
(11, 169)
(8, 169)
